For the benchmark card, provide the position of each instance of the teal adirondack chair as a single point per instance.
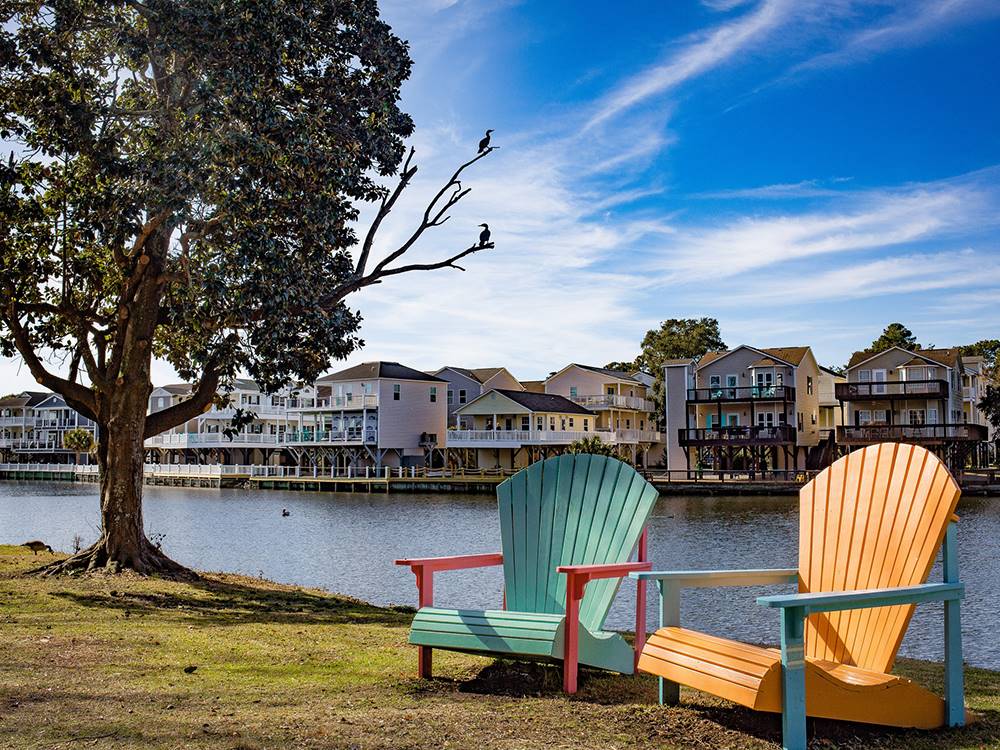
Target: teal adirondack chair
(564, 522)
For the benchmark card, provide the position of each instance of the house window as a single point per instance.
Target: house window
(809, 385)
(571, 423)
(611, 390)
(434, 394)
(461, 395)
(814, 417)
(628, 424)
(880, 416)
(395, 393)
(552, 424)
(864, 417)
(586, 424)
(540, 423)
(572, 391)
(800, 421)
(715, 383)
(731, 381)
(916, 417)
(451, 397)
(525, 422)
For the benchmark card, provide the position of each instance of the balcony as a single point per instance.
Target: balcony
(737, 435)
(517, 438)
(741, 393)
(891, 390)
(900, 433)
(609, 401)
(360, 401)
(213, 440)
(352, 435)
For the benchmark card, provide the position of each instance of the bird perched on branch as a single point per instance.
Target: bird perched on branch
(485, 143)
(484, 236)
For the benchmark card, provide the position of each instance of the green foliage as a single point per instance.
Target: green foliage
(895, 334)
(78, 440)
(989, 350)
(677, 338)
(990, 405)
(593, 445)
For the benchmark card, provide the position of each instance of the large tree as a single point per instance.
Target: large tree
(895, 334)
(677, 338)
(184, 183)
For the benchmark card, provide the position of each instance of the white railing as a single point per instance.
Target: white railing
(191, 439)
(360, 401)
(460, 437)
(327, 437)
(16, 421)
(63, 468)
(610, 401)
(28, 444)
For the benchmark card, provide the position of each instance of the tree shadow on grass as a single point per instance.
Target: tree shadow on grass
(216, 602)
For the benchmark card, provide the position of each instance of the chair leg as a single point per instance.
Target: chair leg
(793, 679)
(424, 661)
(571, 642)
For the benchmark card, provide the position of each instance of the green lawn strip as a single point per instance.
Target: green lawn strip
(243, 664)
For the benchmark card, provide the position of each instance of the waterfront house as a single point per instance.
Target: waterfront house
(468, 384)
(910, 396)
(830, 417)
(512, 428)
(744, 408)
(620, 401)
(33, 425)
(210, 438)
(374, 415)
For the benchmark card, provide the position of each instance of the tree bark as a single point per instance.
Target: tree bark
(120, 454)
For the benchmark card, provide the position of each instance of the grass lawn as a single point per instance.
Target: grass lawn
(107, 663)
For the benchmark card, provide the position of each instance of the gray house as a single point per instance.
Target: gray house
(466, 385)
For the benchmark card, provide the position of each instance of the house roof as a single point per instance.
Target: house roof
(788, 355)
(765, 362)
(375, 370)
(828, 371)
(678, 362)
(947, 357)
(534, 386)
(479, 374)
(545, 402)
(617, 374)
(178, 389)
(25, 398)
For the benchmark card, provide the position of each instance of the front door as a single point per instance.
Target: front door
(765, 383)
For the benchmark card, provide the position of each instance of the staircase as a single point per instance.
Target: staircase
(821, 455)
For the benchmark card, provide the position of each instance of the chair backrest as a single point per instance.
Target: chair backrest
(569, 510)
(874, 519)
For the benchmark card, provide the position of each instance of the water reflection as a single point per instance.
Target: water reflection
(347, 543)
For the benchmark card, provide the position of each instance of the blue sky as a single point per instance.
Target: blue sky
(806, 171)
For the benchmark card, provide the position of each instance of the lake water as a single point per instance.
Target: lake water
(346, 543)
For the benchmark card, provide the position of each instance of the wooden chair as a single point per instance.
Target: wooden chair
(870, 529)
(565, 522)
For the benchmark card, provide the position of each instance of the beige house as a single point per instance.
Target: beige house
(747, 407)
(620, 401)
(512, 428)
(909, 396)
(467, 384)
(830, 417)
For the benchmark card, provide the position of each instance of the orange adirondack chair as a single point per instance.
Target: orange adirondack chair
(870, 529)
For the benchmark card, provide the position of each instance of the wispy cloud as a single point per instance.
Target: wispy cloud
(778, 191)
(854, 222)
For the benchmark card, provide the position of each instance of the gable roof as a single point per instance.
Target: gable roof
(948, 357)
(545, 402)
(479, 374)
(616, 374)
(535, 386)
(788, 355)
(25, 398)
(375, 370)
(177, 389)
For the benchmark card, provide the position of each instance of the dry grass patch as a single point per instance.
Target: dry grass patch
(241, 664)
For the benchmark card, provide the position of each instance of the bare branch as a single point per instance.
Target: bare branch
(387, 203)
(447, 263)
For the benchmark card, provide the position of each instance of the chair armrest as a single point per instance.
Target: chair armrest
(455, 562)
(843, 600)
(577, 576)
(695, 579)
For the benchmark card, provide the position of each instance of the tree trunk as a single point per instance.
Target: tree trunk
(123, 544)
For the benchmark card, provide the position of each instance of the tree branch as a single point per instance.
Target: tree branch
(161, 421)
(77, 396)
(384, 209)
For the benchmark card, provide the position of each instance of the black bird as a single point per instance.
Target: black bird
(484, 236)
(284, 512)
(485, 143)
